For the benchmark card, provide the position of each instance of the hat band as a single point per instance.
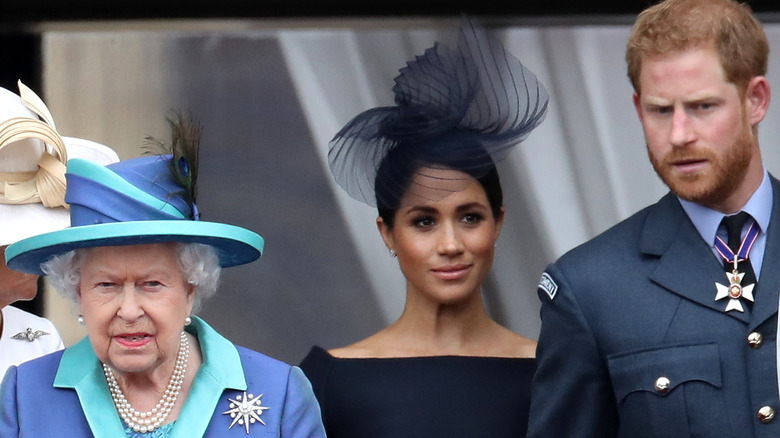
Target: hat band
(93, 203)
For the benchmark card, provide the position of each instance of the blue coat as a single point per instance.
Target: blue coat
(64, 394)
(636, 304)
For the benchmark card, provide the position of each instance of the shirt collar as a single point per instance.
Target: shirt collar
(707, 220)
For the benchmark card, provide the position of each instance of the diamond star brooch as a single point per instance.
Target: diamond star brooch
(245, 410)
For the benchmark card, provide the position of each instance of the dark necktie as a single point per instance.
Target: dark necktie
(733, 225)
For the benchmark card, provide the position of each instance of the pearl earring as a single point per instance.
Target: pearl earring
(80, 320)
(187, 321)
(392, 253)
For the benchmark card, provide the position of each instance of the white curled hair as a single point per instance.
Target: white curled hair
(199, 265)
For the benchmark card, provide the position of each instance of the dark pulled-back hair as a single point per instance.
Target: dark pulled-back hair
(456, 150)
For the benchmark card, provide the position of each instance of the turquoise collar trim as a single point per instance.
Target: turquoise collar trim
(221, 369)
(81, 370)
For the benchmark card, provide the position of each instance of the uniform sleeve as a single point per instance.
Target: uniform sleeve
(301, 417)
(9, 420)
(572, 393)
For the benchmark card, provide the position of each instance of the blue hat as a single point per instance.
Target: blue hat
(131, 202)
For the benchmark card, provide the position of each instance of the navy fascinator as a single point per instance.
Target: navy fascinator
(462, 109)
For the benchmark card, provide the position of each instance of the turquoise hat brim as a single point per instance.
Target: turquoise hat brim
(234, 245)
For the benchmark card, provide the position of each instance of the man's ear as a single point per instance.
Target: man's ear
(757, 96)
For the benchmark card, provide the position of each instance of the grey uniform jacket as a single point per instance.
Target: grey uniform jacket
(633, 343)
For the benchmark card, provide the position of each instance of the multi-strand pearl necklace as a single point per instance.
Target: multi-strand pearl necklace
(148, 421)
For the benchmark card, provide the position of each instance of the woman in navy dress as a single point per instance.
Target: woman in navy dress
(445, 368)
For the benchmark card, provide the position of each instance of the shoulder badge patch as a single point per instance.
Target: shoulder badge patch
(547, 284)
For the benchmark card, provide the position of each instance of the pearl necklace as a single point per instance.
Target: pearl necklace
(148, 421)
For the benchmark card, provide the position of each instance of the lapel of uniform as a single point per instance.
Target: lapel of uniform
(769, 281)
(686, 265)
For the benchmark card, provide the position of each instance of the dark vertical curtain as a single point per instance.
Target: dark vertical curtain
(20, 53)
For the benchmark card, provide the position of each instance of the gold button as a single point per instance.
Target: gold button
(755, 340)
(662, 385)
(766, 414)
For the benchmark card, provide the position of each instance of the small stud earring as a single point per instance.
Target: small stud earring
(392, 253)
(187, 321)
(80, 320)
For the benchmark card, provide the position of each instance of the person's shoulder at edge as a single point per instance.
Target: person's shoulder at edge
(13, 314)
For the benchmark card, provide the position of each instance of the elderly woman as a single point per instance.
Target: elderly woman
(139, 263)
(32, 201)
(445, 368)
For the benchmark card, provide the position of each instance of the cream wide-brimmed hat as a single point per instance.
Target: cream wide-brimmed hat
(33, 157)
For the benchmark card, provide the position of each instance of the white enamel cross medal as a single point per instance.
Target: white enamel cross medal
(734, 291)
